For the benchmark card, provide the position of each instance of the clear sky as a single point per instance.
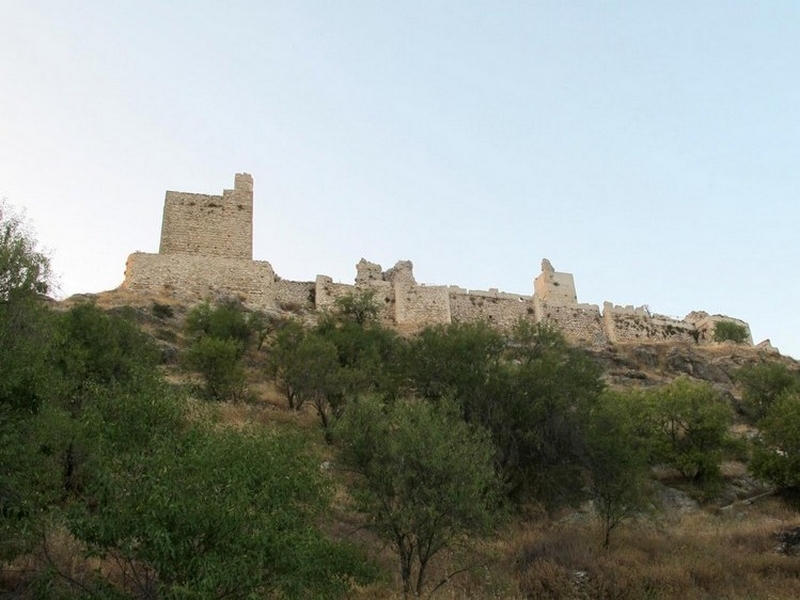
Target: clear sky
(650, 148)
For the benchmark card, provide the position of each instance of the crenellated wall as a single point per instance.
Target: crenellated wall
(206, 250)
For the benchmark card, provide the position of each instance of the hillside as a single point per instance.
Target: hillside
(679, 544)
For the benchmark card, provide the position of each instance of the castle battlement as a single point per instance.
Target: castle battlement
(206, 250)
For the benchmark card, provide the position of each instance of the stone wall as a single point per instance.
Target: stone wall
(705, 324)
(501, 309)
(418, 306)
(207, 225)
(197, 277)
(629, 324)
(206, 251)
(295, 295)
(580, 323)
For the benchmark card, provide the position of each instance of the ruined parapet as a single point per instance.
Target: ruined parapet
(326, 292)
(209, 225)
(766, 346)
(368, 272)
(552, 287)
(402, 273)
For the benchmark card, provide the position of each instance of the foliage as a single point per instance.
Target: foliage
(91, 348)
(456, 361)
(333, 363)
(218, 361)
(531, 391)
(426, 478)
(221, 334)
(94, 372)
(776, 452)
(314, 375)
(616, 460)
(729, 331)
(688, 426)
(763, 384)
(225, 321)
(213, 514)
(368, 357)
(360, 307)
(281, 360)
(24, 326)
(24, 270)
(541, 431)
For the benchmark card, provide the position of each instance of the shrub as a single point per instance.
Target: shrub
(728, 331)
(162, 311)
(216, 514)
(426, 478)
(217, 360)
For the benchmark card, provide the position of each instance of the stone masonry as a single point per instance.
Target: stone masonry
(207, 251)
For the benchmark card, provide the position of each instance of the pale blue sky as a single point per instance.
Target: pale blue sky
(652, 149)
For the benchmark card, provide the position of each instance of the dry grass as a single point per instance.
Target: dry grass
(703, 557)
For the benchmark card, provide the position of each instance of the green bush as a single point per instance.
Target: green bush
(728, 331)
(762, 385)
(217, 360)
(227, 321)
(216, 514)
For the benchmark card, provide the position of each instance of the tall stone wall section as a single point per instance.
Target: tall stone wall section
(189, 278)
(580, 323)
(419, 306)
(207, 225)
(498, 308)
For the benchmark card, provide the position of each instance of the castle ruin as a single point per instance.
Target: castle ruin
(206, 250)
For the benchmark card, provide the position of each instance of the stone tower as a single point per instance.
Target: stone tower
(207, 225)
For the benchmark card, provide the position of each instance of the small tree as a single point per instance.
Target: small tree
(691, 428)
(282, 360)
(763, 384)
(221, 336)
(617, 463)
(24, 269)
(427, 478)
(315, 376)
(730, 331)
(776, 452)
(226, 321)
(359, 307)
(218, 361)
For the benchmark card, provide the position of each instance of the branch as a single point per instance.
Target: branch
(451, 575)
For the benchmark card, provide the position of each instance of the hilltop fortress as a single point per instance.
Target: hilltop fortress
(206, 250)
